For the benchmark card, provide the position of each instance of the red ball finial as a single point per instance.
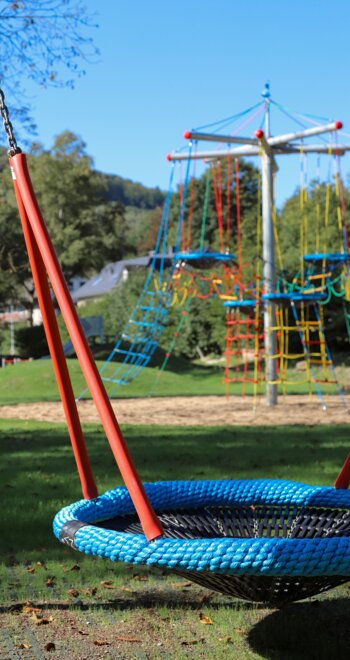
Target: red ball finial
(168, 156)
(338, 125)
(259, 134)
(187, 135)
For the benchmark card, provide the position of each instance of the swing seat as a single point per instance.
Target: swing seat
(237, 304)
(297, 297)
(330, 257)
(203, 260)
(266, 541)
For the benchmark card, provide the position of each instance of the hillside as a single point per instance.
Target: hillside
(131, 193)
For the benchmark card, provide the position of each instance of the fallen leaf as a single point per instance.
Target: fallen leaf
(40, 620)
(123, 638)
(73, 592)
(241, 631)
(100, 642)
(76, 567)
(181, 585)
(29, 609)
(206, 620)
(41, 564)
(45, 622)
(90, 591)
(128, 590)
(30, 569)
(192, 642)
(226, 639)
(49, 646)
(82, 632)
(140, 578)
(24, 645)
(106, 583)
(189, 642)
(50, 582)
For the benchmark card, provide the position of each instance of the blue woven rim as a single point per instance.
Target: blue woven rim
(196, 256)
(328, 256)
(235, 556)
(240, 303)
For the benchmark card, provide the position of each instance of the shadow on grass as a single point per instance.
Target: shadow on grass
(312, 631)
(147, 600)
(176, 363)
(38, 476)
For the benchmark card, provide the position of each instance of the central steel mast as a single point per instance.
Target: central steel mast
(269, 259)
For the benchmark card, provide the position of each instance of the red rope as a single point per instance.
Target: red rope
(238, 216)
(228, 201)
(190, 218)
(218, 203)
(181, 192)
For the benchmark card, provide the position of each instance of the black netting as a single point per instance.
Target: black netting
(250, 522)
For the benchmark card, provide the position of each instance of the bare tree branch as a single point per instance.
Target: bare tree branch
(44, 41)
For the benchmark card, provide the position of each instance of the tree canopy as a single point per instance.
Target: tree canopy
(87, 231)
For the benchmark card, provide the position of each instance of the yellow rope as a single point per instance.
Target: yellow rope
(339, 210)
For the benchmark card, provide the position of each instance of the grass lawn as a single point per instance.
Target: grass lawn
(91, 608)
(35, 381)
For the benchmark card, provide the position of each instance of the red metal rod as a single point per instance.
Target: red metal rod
(86, 476)
(343, 478)
(149, 521)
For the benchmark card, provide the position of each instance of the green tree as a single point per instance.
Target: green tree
(15, 281)
(85, 229)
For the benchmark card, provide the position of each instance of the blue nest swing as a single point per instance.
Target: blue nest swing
(263, 540)
(327, 257)
(204, 260)
(241, 304)
(296, 297)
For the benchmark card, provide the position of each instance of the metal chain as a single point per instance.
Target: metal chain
(14, 148)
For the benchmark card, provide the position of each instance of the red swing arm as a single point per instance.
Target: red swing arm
(44, 265)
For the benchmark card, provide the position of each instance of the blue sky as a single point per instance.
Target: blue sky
(168, 66)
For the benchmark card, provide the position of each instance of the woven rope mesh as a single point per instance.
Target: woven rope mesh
(250, 522)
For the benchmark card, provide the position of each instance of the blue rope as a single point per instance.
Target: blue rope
(301, 114)
(235, 556)
(229, 120)
(142, 347)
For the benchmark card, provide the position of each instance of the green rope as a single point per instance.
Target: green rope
(171, 346)
(347, 319)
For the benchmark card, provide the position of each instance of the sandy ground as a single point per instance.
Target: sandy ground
(197, 411)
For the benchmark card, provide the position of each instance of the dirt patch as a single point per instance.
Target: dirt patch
(197, 411)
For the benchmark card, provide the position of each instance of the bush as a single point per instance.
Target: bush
(31, 342)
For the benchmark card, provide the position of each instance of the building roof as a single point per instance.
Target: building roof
(111, 275)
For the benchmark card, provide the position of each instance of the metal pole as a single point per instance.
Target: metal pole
(269, 270)
(215, 137)
(12, 332)
(279, 150)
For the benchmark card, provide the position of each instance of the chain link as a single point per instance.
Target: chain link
(14, 148)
